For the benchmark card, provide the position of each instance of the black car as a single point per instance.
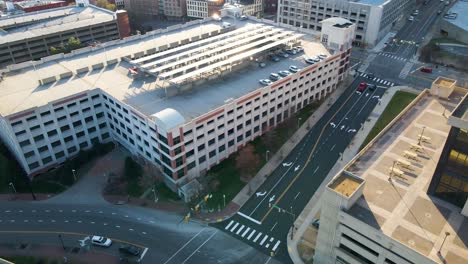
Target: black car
(130, 250)
(372, 87)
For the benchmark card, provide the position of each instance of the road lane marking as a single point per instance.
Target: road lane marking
(295, 197)
(7, 211)
(130, 229)
(144, 233)
(26, 221)
(267, 245)
(117, 226)
(73, 211)
(274, 186)
(92, 223)
(12, 221)
(308, 159)
(276, 245)
(251, 234)
(234, 227)
(198, 248)
(177, 252)
(152, 222)
(240, 229)
(143, 255)
(139, 219)
(100, 212)
(246, 231)
(316, 169)
(40, 221)
(61, 211)
(114, 213)
(126, 216)
(263, 240)
(271, 240)
(273, 226)
(53, 221)
(256, 238)
(332, 147)
(229, 225)
(249, 218)
(105, 224)
(66, 221)
(87, 211)
(47, 211)
(79, 221)
(20, 211)
(268, 260)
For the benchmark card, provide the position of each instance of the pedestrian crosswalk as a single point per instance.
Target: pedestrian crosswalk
(389, 55)
(406, 69)
(250, 234)
(377, 80)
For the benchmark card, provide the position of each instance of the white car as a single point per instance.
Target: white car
(293, 68)
(284, 73)
(411, 18)
(310, 61)
(274, 76)
(265, 82)
(101, 241)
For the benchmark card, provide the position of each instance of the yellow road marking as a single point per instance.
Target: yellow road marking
(307, 162)
(63, 233)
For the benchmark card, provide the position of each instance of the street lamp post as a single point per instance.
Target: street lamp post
(224, 201)
(299, 122)
(446, 235)
(155, 197)
(266, 155)
(74, 175)
(12, 187)
(61, 241)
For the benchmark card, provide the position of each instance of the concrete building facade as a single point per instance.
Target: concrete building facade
(373, 18)
(162, 102)
(31, 36)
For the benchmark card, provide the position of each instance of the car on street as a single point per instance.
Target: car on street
(243, 18)
(284, 73)
(439, 12)
(293, 68)
(362, 86)
(411, 18)
(372, 87)
(129, 250)
(370, 76)
(265, 82)
(262, 65)
(447, 3)
(274, 76)
(416, 12)
(101, 241)
(426, 70)
(299, 48)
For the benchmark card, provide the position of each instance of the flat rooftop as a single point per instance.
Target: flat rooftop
(461, 8)
(20, 90)
(400, 207)
(369, 2)
(462, 109)
(50, 21)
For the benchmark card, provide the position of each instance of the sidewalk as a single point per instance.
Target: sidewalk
(305, 219)
(57, 253)
(242, 197)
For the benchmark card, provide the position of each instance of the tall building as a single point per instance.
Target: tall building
(373, 18)
(204, 8)
(171, 9)
(183, 98)
(377, 209)
(31, 36)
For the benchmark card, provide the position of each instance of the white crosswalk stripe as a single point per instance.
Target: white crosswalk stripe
(246, 231)
(240, 229)
(229, 225)
(381, 81)
(256, 238)
(234, 227)
(250, 233)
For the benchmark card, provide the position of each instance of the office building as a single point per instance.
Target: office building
(170, 9)
(373, 18)
(183, 98)
(377, 209)
(204, 8)
(31, 36)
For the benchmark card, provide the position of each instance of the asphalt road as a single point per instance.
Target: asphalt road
(265, 220)
(394, 62)
(168, 239)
